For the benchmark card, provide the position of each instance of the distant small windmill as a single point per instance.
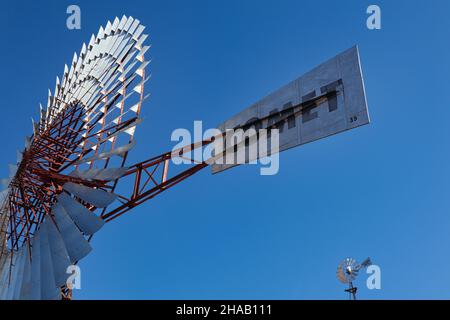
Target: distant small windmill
(63, 187)
(347, 272)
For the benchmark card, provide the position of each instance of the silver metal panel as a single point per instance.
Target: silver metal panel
(284, 98)
(3, 285)
(25, 289)
(120, 151)
(128, 127)
(60, 257)
(88, 174)
(77, 246)
(23, 260)
(27, 142)
(100, 174)
(12, 170)
(96, 197)
(342, 105)
(4, 279)
(12, 279)
(35, 292)
(49, 291)
(17, 273)
(111, 174)
(4, 184)
(19, 156)
(86, 221)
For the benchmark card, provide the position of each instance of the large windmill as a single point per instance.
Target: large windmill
(347, 272)
(63, 187)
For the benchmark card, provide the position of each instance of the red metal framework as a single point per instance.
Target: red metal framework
(151, 177)
(40, 178)
(46, 166)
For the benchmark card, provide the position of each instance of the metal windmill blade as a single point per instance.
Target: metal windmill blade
(68, 170)
(347, 270)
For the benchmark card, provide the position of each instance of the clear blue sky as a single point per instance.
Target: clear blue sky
(380, 191)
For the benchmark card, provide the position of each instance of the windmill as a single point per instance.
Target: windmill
(347, 272)
(65, 184)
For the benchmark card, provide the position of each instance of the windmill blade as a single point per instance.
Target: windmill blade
(27, 143)
(50, 258)
(129, 128)
(59, 254)
(20, 272)
(19, 156)
(86, 221)
(340, 275)
(110, 174)
(96, 197)
(16, 274)
(88, 174)
(77, 246)
(12, 170)
(120, 151)
(5, 183)
(49, 290)
(4, 277)
(347, 270)
(3, 196)
(35, 292)
(25, 288)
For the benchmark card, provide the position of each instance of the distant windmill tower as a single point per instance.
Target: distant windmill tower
(347, 272)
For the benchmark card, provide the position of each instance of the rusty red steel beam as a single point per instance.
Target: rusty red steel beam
(140, 195)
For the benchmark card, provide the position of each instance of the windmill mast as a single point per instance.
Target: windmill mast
(351, 291)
